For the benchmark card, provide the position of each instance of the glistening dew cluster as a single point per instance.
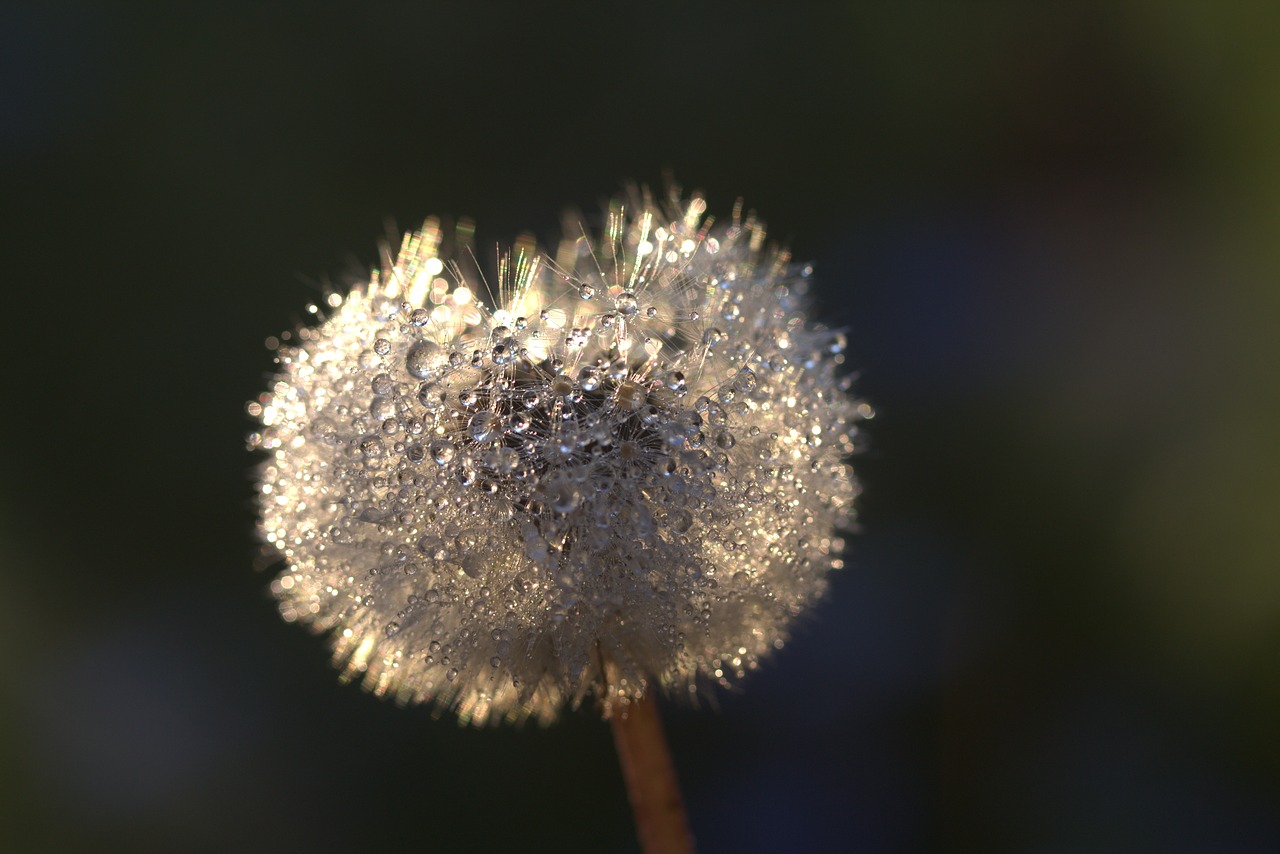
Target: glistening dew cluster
(626, 468)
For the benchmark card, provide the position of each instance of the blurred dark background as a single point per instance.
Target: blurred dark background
(1051, 229)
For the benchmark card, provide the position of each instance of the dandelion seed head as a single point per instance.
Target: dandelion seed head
(626, 468)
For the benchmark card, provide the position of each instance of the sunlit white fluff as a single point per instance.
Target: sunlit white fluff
(627, 468)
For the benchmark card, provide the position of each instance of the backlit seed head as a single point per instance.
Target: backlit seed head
(629, 472)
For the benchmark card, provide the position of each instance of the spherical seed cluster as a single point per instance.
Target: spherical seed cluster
(627, 470)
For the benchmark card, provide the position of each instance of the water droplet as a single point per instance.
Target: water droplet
(382, 346)
(484, 425)
(631, 396)
(561, 386)
(586, 291)
(561, 494)
(382, 384)
(589, 378)
(392, 629)
(325, 430)
(442, 451)
(626, 304)
(423, 358)
(419, 317)
(503, 460)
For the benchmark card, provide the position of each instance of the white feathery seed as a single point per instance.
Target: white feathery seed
(628, 469)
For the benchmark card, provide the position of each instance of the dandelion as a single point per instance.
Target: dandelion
(617, 469)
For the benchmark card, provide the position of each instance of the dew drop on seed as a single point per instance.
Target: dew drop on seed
(589, 379)
(423, 358)
(442, 451)
(484, 425)
(561, 386)
(564, 497)
(325, 430)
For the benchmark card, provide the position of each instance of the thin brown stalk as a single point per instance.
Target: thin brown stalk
(651, 778)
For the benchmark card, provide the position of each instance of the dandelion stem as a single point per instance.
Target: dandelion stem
(651, 778)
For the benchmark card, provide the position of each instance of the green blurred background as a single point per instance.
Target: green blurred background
(1051, 230)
